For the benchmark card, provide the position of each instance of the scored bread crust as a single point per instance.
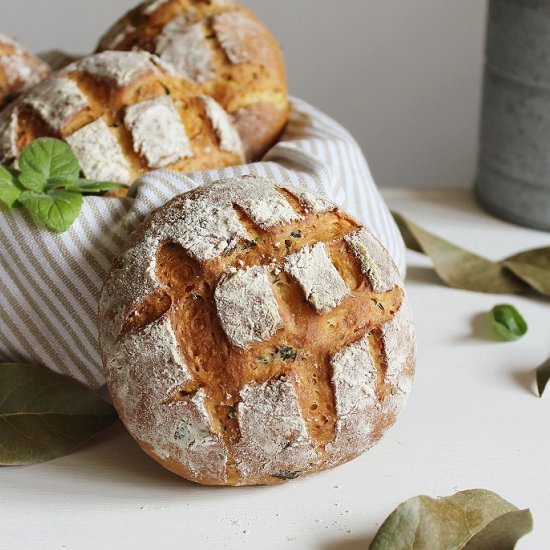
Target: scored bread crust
(225, 49)
(19, 70)
(253, 333)
(123, 114)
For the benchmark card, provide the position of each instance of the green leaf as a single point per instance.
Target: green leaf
(9, 189)
(91, 186)
(543, 375)
(508, 322)
(57, 210)
(83, 186)
(44, 415)
(468, 520)
(462, 269)
(46, 158)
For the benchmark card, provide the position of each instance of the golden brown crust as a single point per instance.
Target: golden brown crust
(86, 97)
(238, 61)
(19, 70)
(301, 358)
(260, 125)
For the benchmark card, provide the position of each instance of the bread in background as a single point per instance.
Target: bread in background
(123, 114)
(19, 70)
(225, 50)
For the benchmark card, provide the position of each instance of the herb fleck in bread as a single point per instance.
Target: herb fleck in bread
(123, 114)
(225, 50)
(253, 333)
(19, 70)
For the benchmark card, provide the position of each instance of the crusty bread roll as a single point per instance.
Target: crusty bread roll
(123, 114)
(252, 333)
(222, 47)
(19, 70)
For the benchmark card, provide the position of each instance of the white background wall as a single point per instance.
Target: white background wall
(404, 76)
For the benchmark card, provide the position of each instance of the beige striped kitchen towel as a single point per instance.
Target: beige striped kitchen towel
(50, 283)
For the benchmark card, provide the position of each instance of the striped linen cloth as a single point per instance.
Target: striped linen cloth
(50, 283)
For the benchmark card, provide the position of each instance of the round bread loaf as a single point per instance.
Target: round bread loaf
(123, 114)
(19, 70)
(252, 333)
(222, 47)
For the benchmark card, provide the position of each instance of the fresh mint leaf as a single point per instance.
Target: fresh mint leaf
(57, 210)
(9, 189)
(543, 376)
(46, 158)
(508, 322)
(92, 186)
(82, 185)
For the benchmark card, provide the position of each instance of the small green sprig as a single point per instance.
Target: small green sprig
(48, 184)
(508, 322)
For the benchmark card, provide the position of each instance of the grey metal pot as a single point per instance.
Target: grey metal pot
(514, 166)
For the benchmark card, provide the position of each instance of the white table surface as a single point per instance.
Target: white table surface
(473, 420)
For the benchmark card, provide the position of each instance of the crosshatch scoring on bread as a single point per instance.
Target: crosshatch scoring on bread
(223, 48)
(123, 113)
(270, 344)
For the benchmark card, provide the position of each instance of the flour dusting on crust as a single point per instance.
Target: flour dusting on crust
(185, 46)
(57, 100)
(258, 197)
(21, 69)
(313, 203)
(116, 35)
(382, 274)
(22, 72)
(235, 31)
(230, 140)
(121, 68)
(99, 153)
(205, 229)
(144, 369)
(7, 41)
(9, 122)
(133, 279)
(247, 307)
(151, 6)
(322, 284)
(150, 356)
(354, 377)
(157, 131)
(399, 343)
(274, 437)
(198, 447)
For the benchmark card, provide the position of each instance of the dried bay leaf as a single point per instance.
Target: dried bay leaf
(503, 532)
(462, 269)
(469, 520)
(543, 375)
(533, 267)
(45, 415)
(458, 267)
